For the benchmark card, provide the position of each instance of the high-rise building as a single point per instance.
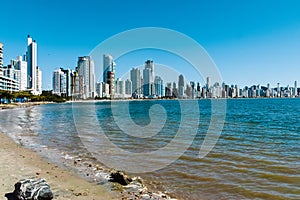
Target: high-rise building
(31, 58)
(57, 85)
(295, 92)
(159, 86)
(62, 81)
(128, 87)
(120, 87)
(147, 87)
(136, 80)
(207, 83)
(180, 86)
(67, 73)
(38, 80)
(109, 72)
(1, 58)
(148, 78)
(21, 69)
(278, 90)
(85, 66)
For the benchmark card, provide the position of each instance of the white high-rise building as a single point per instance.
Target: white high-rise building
(128, 87)
(32, 74)
(136, 80)
(295, 89)
(159, 86)
(120, 89)
(148, 78)
(109, 73)
(1, 59)
(85, 66)
(38, 80)
(181, 86)
(21, 68)
(59, 82)
(147, 87)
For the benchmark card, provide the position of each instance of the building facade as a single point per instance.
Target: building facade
(109, 73)
(136, 81)
(85, 67)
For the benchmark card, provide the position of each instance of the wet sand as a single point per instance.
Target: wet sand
(19, 163)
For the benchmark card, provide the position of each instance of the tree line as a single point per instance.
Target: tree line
(26, 96)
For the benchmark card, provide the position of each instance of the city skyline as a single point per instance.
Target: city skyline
(143, 83)
(251, 42)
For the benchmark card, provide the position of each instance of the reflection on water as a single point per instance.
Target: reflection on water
(256, 157)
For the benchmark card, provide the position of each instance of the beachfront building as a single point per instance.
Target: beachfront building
(20, 66)
(148, 79)
(159, 86)
(102, 90)
(109, 72)
(7, 75)
(34, 73)
(128, 87)
(180, 86)
(136, 80)
(59, 83)
(85, 66)
(1, 59)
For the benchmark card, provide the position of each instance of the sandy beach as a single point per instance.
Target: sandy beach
(18, 163)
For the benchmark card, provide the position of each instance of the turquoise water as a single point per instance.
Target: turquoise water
(256, 157)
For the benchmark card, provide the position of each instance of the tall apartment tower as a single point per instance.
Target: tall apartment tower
(136, 80)
(85, 66)
(21, 66)
(109, 73)
(31, 58)
(148, 77)
(180, 86)
(58, 83)
(295, 89)
(1, 58)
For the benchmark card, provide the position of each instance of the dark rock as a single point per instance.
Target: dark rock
(30, 189)
(120, 177)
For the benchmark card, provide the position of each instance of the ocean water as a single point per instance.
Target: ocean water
(257, 155)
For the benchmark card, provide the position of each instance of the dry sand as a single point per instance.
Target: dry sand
(17, 163)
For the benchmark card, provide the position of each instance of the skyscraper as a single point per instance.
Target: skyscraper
(295, 89)
(147, 88)
(21, 65)
(62, 81)
(38, 80)
(57, 82)
(85, 66)
(67, 73)
(278, 90)
(128, 87)
(135, 77)
(31, 58)
(207, 83)
(180, 86)
(159, 87)
(148, 78)
(109, 72)
(1, 58)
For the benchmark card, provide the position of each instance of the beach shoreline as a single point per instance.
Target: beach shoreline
(19, 163)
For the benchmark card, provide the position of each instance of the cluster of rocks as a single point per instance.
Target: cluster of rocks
(133, 188)
(30, 189)
(129, 187)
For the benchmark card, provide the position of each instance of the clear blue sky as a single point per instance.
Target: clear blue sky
(251, 41)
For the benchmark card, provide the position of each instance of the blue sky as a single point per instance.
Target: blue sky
(251, 42)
